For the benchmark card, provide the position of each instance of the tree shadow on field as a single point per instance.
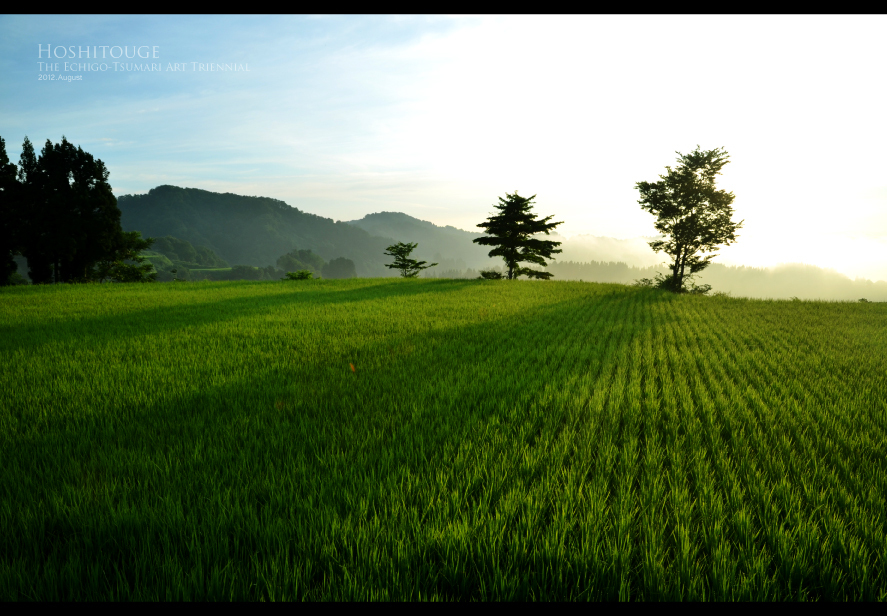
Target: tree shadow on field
(312, 455)
(159, 319)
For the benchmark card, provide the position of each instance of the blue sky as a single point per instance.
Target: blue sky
(438, 116)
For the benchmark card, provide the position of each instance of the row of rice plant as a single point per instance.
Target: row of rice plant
(438, 439)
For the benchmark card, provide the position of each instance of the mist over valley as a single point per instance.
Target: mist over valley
(256, 231)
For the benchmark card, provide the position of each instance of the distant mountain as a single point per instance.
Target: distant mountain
(249, 230)
(452, 248)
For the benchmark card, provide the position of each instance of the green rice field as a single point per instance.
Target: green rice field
(431, 439)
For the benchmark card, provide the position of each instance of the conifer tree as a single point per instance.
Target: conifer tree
(68, 214)
(59, 212)
(512, 231)
(10, 218)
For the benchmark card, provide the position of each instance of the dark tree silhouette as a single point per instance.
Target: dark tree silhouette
(409, 268)
(11, 232)
(60, 214)
(511, 232)
(693, 213)
(31, 216)
(69, 214)
(124, 262)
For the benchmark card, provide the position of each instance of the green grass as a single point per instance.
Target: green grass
(497, 440)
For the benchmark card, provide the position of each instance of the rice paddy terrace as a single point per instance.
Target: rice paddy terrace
(438, 439)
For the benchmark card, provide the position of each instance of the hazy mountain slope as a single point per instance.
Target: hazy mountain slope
(633, 251)
(451, 247)
(454, 248)
(249, 230)
(791, 280)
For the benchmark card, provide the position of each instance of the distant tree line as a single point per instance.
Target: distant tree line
(305, 260)
(177, 259)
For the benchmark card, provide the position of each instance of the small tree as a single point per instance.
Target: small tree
(511, 232)
(300, 275)
(693, 213)
(409, 268)
(490, 274)
(124, 262)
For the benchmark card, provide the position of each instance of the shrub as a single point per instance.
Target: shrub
(300, 275)
(297, 260)
(490, 275)
(16, 279)
(667, 283)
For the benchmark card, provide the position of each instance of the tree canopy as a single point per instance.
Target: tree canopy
(124, 262)
(10, 219)
(339, 268)
(61, 215)
(512, 231)
(296, 260)
(692, 213)
(409, 268)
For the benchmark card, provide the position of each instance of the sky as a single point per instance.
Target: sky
(439, 116)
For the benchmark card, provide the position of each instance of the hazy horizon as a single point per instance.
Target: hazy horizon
(437, 117)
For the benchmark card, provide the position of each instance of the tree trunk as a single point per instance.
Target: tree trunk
(675, 281)
(681, 282)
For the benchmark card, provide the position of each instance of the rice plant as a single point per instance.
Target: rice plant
(432, 439)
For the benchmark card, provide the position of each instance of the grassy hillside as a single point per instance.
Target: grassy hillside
(249, 230)
(418, 439)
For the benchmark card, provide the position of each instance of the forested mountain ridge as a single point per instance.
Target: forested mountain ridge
(249, 230)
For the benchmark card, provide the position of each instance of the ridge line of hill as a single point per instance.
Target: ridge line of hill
(256, 231)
